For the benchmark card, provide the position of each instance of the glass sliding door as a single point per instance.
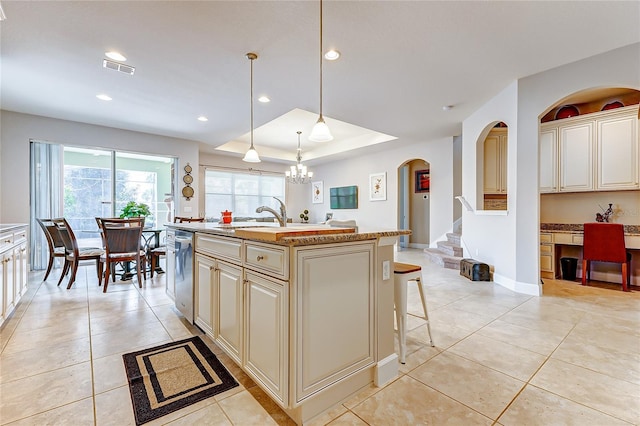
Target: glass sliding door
(96, 183)
(145, 179)
(87, 194)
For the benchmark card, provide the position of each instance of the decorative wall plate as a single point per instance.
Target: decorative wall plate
(187, 192)
(188, 168)
(188, 179)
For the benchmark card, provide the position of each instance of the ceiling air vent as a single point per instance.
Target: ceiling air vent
(118, 67)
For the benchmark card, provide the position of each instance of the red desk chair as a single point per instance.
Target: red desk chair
(604, 242)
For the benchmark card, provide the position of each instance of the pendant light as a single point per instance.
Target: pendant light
(320, 131)
(298, 174)
(252, 155)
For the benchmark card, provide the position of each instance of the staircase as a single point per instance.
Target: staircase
(448, 254)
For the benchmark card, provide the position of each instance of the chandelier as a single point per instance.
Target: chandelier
(298, 174)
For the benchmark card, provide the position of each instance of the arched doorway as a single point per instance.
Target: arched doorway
(414, 202)
(589, 157)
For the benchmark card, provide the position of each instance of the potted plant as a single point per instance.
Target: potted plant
(304, 216)
(133, 209)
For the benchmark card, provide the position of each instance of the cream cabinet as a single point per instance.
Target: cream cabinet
(576, 157)
(229, 308)
(547, 257)
(548, 159)
(592, 152)
(218, 304)
(204, 302)
(617, 152)
(333, 296)
(266, 344)
(495, 162)
(13, 268)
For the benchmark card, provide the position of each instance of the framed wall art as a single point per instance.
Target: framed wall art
(317, 192)
(378, 186)
(422, 181)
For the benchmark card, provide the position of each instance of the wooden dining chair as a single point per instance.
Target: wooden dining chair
(54, 243)
(73, 253)
(122, 243)
(162, 250)
(604, 242)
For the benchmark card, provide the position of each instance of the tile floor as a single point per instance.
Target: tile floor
(569, 357)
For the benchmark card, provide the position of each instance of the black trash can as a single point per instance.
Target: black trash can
(569, 266)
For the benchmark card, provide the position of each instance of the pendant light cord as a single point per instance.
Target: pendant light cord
(320, 58)
(251, 60)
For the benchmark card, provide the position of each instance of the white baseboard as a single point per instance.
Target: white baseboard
(518, 287)
(386, 370)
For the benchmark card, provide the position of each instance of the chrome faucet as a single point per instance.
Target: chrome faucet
(282, 217)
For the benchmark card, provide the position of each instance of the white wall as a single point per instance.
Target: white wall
(490, 238)
(18, 129)
(511, 243)
(537, 94)
(383, 214)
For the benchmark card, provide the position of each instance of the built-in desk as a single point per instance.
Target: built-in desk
(565, 240)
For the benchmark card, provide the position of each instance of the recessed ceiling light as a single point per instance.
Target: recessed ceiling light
(203, 118)
(116, 56)
(447, 107)
(332, 55)
(104, 97)
(264, 99)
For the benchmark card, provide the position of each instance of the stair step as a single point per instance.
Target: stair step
(454, 238)
(450, 248)
(442, 259)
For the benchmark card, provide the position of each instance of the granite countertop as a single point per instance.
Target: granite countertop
(578, 227)
(229, 231)
(11, 226)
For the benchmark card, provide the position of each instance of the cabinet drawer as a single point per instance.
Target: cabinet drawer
(6, 241)
(228, 248)
(273, 260)
(546, 237)
(567, 238)
(20, 236)
(546, 263)
(546, 248)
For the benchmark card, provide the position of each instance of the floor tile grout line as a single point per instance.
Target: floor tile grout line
(579, 403)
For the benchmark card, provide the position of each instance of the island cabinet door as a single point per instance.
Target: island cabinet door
(333, 303)
(205, 278)
(229, 309)
(267, 334)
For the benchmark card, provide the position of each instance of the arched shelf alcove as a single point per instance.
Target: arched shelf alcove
(492, 167)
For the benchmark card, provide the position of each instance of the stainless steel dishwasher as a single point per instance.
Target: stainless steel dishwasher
(183, 255)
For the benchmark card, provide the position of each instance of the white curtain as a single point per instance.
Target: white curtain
(46, 171)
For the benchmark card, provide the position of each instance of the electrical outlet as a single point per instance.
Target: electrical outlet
(386, 270)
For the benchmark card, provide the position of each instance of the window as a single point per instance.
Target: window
(240, 193)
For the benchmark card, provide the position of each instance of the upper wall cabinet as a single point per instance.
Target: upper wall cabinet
(617, 152)
(593, 152)
(495, 161)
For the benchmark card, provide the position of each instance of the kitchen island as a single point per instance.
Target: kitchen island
(308, 315)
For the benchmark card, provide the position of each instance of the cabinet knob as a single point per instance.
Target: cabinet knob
(259, 258)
